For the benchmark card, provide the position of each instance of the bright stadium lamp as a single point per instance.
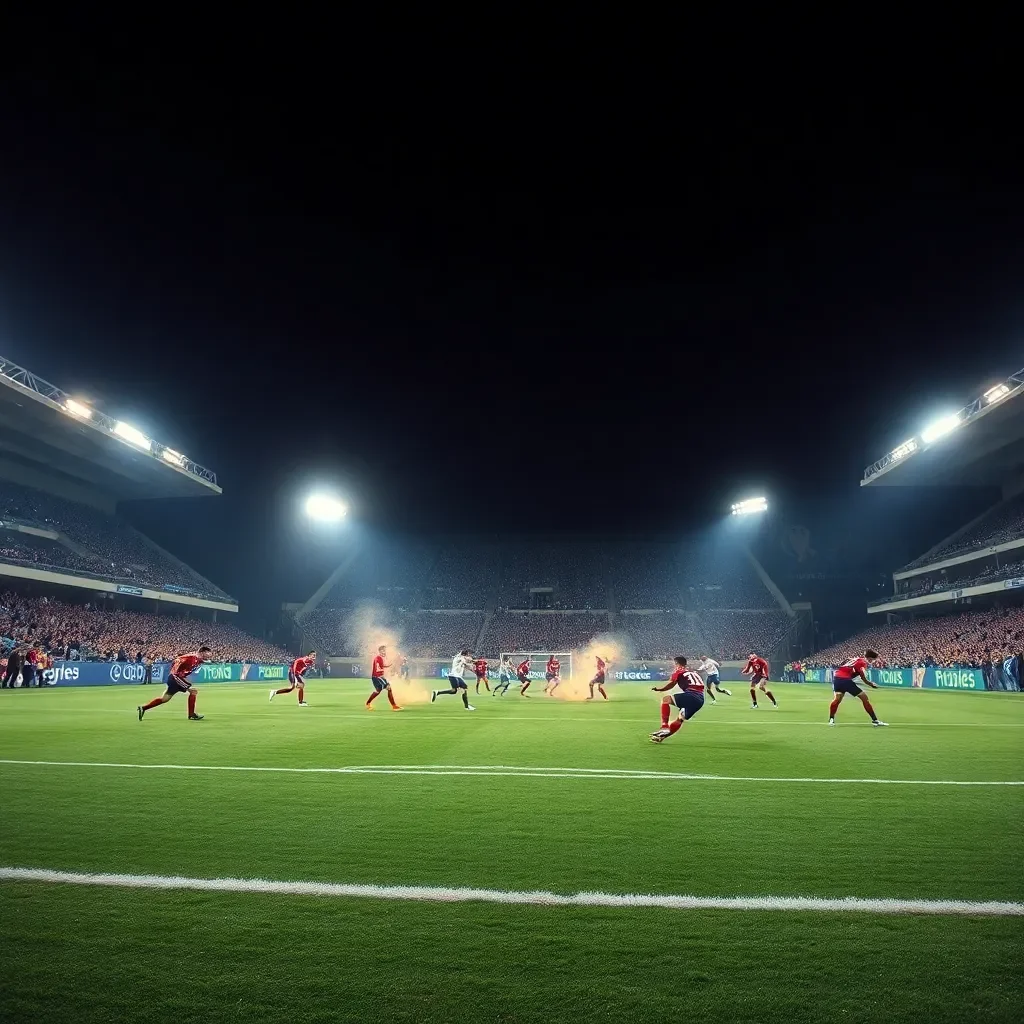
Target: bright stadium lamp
(940, 428)
(994, 394)
(749, 507)
(77, 409)
(325, 508)
(132, 435)
(173, 457)
(901, 451)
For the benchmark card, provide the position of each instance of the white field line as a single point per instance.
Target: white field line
(505, 770)
(990, 908)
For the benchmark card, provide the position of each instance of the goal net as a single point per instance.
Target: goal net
(539, 660)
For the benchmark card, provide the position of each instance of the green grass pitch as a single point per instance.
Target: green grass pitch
(88, 953)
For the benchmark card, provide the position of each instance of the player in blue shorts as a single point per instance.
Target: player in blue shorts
(844, 682)
(688, 701)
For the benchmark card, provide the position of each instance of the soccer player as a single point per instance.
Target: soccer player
(551, 676)
(710, 669)
(403, 666)
(380, 684)
(506, 673)
(523, 675)
(460, 663)
(296, 680)
(599, 676)
(177, 682)
(480, 669)
(688, 701)
(757, 668)
(843, 683)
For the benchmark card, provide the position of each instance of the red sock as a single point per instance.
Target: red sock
(833, 708)
(373, 696)
(302, 694)
(664, 716)
(603, 694)
(870, 710)
(676, 726)
(391, 698)
(191, 702)
(753, 694)
(155, 702)
(525, 687)
(286, 689)
(768, 693)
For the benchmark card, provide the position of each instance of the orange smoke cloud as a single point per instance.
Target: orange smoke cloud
(367, 628)
(612, 647)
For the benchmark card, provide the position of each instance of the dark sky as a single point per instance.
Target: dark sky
(625, 297)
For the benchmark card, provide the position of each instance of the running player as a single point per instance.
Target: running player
(177, 682)
(757, 668)
(689, 700)
(523, 675)
(843, 683)
(296, 678)
(710, 669)
(599, 677)
(403, 666)
(480, 670)
(460, 663)
(551, 676)
(380, 684)
(506, 673)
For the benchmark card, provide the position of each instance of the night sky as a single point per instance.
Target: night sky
(598, 300)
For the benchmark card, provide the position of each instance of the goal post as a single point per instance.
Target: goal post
(538, 661)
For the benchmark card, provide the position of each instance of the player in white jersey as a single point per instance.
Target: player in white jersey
(506, 674)
(461, 661)
(710, 669)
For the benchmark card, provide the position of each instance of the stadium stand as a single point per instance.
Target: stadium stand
(113, 549)
(92, 633)
(542, 631)
(734, 634)
(646, 576)
(970, 640)
(1004, 522)
(574, 572)
(663, 634)
(721, 576)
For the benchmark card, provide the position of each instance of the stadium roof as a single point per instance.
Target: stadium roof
(980, 445)
(41, 424)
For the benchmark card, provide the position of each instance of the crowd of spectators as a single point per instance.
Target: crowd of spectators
(662, 634)
(574, 572)
(967, 640)
(721, 576)
(25, 549)
(732, 635)
(542, 631)
(1003, 523)
(928, 583)
(121, 552)
(91, 632)
(646, 575)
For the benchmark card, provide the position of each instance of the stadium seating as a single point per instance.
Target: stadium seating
(121, 553)
(94, 633)
(575, 571)
(968, 639)
(1003, 523)
(542, 631)
(662, 634)
(646, 576)
(929, 583)
(735, 634)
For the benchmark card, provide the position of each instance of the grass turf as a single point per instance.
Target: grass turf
(97, 954)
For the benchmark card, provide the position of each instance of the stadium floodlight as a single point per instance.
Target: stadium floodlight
(940, 428)
(173, 457)
(750, 506)
(901, 451)
(132, 435)
(994, 394)
(77, 409)
(326, 508)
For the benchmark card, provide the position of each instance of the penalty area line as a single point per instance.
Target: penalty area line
(435, 894)
(508, 771)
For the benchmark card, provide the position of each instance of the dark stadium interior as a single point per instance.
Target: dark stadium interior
(534, 336)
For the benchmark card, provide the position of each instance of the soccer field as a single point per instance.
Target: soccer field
(523, 799)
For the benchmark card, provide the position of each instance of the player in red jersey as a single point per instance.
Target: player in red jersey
(599, 677)
(551, 675)
(757, 668)
(480, 671)
(296, 672)
(177, 682)
(523, 675)
(843, 683)
(689, 700)
(380, 684)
